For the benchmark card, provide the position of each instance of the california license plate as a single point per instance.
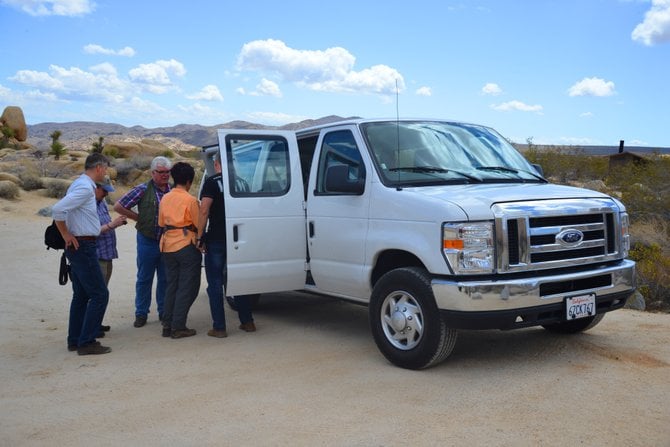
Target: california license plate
(581, 306)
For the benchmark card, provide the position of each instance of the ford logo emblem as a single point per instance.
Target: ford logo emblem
(570, 237)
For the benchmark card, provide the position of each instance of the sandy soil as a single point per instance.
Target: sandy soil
(311, 375)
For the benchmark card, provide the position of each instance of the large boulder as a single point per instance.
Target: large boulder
(12, 117)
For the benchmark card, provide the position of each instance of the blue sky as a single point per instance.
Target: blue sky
(564, 72)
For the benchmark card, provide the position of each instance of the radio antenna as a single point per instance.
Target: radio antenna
(397, 127)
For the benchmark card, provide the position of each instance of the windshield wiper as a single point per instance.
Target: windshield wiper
(434, 169)
(497, 168)
(511, 170)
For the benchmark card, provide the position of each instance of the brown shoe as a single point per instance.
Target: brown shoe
(93, 349)
(248, 327)
(217, 333)
(181, 333)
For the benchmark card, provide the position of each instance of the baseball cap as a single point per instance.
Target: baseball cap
(106, 184)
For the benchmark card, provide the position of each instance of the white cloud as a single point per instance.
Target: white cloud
(101, 82)
(5, 93)
(274, 119)
(240, 91)
(203, 113)
(70, 8)
(208, 93)
(41, 96)
(424, 91)
(97, 49)
(491, 89)
(586, 115)
(267, 88)
(156, 77)
(142, 105)
(516, 105)
(592, 87)
(329, 70)
(656, 25)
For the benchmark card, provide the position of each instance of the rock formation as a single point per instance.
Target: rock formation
(12, 117)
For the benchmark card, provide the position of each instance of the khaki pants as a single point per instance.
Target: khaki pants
(106, 267)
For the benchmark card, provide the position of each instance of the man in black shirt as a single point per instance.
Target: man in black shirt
(213, 244)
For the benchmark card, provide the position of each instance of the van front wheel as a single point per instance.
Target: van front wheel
(405, 322)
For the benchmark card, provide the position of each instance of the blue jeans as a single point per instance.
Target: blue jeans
(216, 273)
(149, 261)
(89, 294)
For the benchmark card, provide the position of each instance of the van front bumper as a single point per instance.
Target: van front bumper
(514, 303)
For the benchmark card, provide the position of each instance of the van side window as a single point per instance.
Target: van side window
(257, 166)
(339, 149)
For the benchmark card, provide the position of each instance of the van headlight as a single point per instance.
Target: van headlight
(468, 247)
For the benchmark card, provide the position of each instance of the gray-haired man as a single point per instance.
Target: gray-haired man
(147, 197)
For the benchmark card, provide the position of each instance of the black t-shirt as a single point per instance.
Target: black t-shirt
(216, 224)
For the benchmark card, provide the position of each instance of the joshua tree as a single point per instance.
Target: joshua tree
(57, 148)
(98, 146)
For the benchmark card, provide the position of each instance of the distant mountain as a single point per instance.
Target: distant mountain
(80, 135)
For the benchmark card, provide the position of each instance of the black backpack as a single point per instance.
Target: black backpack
(54, 240)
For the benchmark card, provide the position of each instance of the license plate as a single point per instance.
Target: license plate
(581, 306)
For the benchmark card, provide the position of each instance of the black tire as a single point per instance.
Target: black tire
(574, 326)
(254, 298)
(405, 322)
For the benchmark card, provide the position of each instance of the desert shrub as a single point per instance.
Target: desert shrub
(30, 181)
(111, 151)
(653, 271)
(56, 187)
(566, 164)
(8, 189)
(643, 187)
(168, 153)
(10, 177)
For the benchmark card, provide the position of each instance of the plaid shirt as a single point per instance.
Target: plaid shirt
(106, 242)
(132, 198)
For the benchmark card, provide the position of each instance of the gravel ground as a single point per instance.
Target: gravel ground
(310, 375)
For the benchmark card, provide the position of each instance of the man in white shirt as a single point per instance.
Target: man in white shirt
(77, 220)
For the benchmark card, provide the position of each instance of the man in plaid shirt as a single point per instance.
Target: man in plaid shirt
(146, 197)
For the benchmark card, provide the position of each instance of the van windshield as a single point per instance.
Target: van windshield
(418, 153)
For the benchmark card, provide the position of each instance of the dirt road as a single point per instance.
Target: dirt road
(311, 375)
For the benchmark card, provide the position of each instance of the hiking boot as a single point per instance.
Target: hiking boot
(104, 328)
(140, 320)
(93, 349)
(248, 327)
(167, 331)
(217, 333)
(181, 333)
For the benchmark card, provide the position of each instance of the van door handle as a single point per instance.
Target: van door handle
(235, 233)
(311, 229)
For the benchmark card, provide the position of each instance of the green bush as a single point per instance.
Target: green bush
(111, 151)
(566, 164)
(643, 187)
(653, 270)
(8, 189)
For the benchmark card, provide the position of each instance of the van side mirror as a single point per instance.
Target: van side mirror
(338, 181)
(539, 169)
